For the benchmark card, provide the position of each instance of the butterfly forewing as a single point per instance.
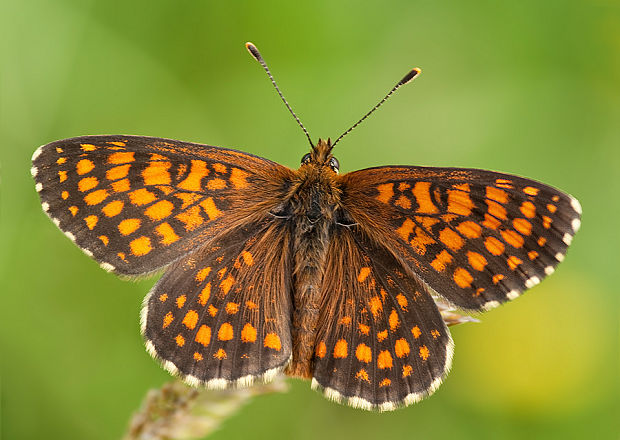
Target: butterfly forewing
(478, 238)
(135, 204)
(222, 315)
(381, 342)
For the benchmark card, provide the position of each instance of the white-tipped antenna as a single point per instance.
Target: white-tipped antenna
(406, 79)
(257, 56)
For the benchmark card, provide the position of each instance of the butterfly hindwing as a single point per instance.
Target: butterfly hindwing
(381, 342)
(221, 316)
(135, 204)
(478, 238)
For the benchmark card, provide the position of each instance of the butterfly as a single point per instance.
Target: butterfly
(319, 275)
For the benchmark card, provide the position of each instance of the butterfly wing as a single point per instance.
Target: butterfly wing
(221, 316)
(477, 238)
(382, 342)
(135, 204)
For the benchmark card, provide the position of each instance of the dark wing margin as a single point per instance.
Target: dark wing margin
(221, 317)
(383, 343)
(477, 238)
(135, 204)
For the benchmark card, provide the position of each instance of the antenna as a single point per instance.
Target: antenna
(256, 54)
(406, 79)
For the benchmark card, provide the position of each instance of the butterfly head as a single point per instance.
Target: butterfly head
(321, 156)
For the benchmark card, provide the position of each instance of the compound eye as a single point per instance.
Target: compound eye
(334, 164)
(306, 158)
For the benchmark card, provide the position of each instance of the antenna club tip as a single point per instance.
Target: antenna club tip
(253, 50)
(411, 75)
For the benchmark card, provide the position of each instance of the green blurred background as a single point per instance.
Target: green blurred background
(529, 87)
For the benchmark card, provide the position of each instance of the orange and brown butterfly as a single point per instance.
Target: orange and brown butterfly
(327, 277)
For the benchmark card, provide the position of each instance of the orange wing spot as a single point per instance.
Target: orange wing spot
(104, 239)
(193, 180)
(65, 195)
(203, 336)
(163, 297)
(87, 183)
(403, 202)
(469, 229)
(401, 348)
(512, 238)
(384, 360)
(248, 333)
(497, 278)
(435, 334)
(555, 198)
(96, 197)
(117, 143)
(167, 234)
(227, 284)
(406, 229)
(128, 226)
(180, 340)
(181, 301)
(248, 259)
(393, 320)
(219, 168)
(403, 186)
(451, 239)
(187, 198)
(202, 274)
(363, 353)
(364, 272)
(59, 150)
(225, 333)
(121, 255)
(321, 350)
(157, 173)
(407, 370)
(121, 185)
(386, 192)
(459, 202)
(362, 375)
(504, 183)
(530, 191)
(209, 206)
(494, 246)
(61, 160)
(532, 255)
(528, 209)
(364, 329)
(191, 319)
(402, 301)
(91, 221)
(73, 210)
(513, 262)
(499, 195)
(251, 305)
(197, 356)
(272, 340)
(340, 349)
(478, 291)
(140, 246)
(385, 383)
(159, 210)
(546, 222)
(113, 208)
(375, 306)
(421, 239)
(496, 210)
(232, 308)
(221, 273)
(168, 318)
(141, 196)
(220, 354)
(421, 192)
(490, 222)
(345, 320)
(381, 336)
(121, 157)
(212, 310)
(462, 278)
(541, 241)
(427, 222)
(84, 166)
(88, 147)
(415, 331)
(215, 184)
(62, 175)
(238, 178)
(441, 261)
(204, 295)
(476, 260)
(424, 353)
(522, 225)
(191, 218)
(551, 208)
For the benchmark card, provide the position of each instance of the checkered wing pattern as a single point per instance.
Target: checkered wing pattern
(135, 204)
(477, 238)
(382, 342)
(221, 316)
